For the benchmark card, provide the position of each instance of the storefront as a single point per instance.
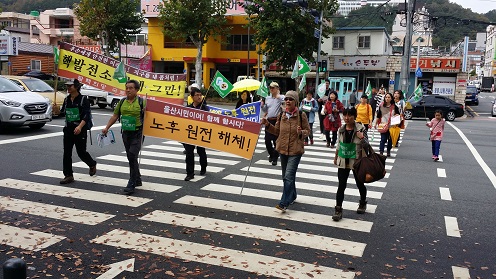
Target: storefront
(364, 69)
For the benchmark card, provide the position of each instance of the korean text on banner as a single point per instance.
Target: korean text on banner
(250, 111)
(202, 128)
(96, 70)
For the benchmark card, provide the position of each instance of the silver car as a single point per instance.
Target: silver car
(21, 108)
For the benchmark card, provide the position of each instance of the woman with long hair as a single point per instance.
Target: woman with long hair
(332, 122)
(244, 98)
(385, 111)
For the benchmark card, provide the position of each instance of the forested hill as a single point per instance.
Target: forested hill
(26, 6)
(451, 26)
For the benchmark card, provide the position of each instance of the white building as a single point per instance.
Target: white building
(358, 41)
(490, 53)
(346, 6)
(422, 32)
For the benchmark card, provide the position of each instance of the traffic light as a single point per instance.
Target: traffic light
(323, 66)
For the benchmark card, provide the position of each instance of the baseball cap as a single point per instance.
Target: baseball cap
(274, 84)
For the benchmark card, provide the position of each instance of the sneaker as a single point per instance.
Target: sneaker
(281, 208)
(362, 206)
(189, 177)
(67, 180)
(203, 171)
(128, 190)
(338, 213)
(139, 182)
(274, 162)
(270, 159)
(293, 202)
(311, 141)
(92, 170)
(433, 156)
(436, 158)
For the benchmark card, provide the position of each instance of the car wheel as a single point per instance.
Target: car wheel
(408, 114)
(450, 116)
(102, 106)
(36, 126)
(114, 103)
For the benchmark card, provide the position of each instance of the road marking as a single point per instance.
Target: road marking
(54, 211)
(117, 268)
(445, 193)
(110, 181)
(478, 158)
(460, 272)
(325, 167)
(43, 136)
(327, 178)
(305, 240)
(210, 151)
(181, 149)
(441, 172)
(219, 256)
(53, 125)
(74, 193)
(158, 163)
(329, 162)
(144, 172)
(293, 215)
(182, 156)
(452, 226)
(302, 185)
(327, 202)
(27, 239)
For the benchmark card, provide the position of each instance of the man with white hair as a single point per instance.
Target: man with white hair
(272, 108)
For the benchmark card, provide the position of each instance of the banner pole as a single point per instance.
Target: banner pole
(142, 126)
(251, 161)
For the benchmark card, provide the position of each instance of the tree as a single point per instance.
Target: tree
(285, 32)
(368, 16)
(195, 20)
(111, 22)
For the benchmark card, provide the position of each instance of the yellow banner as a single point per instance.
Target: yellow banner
(202, 128)
(97, 70)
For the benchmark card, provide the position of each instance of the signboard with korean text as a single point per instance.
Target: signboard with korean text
(360, 63)
(250, 111)
(97, 70)
(202, 128)
(444, 86)
(151, 7)
(437, 64)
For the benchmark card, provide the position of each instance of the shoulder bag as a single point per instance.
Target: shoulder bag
(370, 168)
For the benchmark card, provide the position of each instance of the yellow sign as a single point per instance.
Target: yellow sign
(97, 70)
(235, 60)
(198, 127)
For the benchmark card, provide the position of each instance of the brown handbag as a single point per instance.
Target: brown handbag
(371, 167)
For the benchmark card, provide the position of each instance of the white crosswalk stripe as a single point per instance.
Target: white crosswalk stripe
(27, 239)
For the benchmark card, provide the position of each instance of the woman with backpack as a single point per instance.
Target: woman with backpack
(77, 112)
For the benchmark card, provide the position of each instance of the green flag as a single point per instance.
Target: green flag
(303, 82)
(221, 84)
(56, 54)
(263, 91)
(418, 92)
(321, 89)
(120, 73)
(301, 67)
(368, 91)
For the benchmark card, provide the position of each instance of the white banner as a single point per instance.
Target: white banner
(444, 86)
(360, 63)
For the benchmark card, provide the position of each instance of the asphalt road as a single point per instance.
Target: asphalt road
(424, 220)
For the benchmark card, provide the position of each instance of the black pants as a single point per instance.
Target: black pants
(270, 142)
(190, 158)
(311, 132)
(321, 122)
(343, 175)
(132, 144)
(328, 137)
(80, 142)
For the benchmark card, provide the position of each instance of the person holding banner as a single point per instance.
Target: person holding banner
(198, 103)
(131, 112)
(77, 115)
(309, 105)
(292, 128)
(244, 98)
(272, 108)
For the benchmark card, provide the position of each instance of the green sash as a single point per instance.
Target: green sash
(72, 114)
(347, 150)
(128, 123)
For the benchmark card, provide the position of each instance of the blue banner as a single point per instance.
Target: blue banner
(250, 111)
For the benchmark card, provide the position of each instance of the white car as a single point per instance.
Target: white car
(95, 95)
(22, 108)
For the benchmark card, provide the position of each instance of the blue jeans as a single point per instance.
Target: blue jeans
(289, 166)
(436, 145)
(385, 137)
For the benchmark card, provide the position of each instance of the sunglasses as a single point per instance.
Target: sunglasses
(288, 99)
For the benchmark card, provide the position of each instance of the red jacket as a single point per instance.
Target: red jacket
(333, 126)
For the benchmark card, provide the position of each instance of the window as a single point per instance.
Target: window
(238, 42)
(338, 42)
(35, 65)
(363, 41)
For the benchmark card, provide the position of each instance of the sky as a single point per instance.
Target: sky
(478, 6)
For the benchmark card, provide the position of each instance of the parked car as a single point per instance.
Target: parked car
(42, 88)
(39, 74)
(113, 100)
(95, 95)
(493, 108)
(22, 108)
(472, 95)
(428, 104)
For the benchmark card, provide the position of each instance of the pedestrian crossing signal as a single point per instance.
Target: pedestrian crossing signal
(322, 66)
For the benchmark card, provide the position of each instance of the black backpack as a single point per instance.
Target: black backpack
(88, 124)
(142, 112)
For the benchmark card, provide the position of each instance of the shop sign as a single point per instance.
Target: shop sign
(9, 45)
(366, 63)
(437, 64)
(444, 86)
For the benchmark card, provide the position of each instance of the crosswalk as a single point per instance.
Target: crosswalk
(232, 183)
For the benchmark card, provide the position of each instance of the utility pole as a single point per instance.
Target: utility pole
(318, 53)
(407, 43)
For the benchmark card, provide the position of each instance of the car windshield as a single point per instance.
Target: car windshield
(472, 90)
(37, 85)
(7, 86)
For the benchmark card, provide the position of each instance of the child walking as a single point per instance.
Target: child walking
(437, 131)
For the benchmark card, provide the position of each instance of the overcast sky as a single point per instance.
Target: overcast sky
(478, 6)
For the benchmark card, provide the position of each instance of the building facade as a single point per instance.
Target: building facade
(490, 52)
(346, 6)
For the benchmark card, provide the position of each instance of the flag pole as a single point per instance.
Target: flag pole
(251, 161)
(142, 126)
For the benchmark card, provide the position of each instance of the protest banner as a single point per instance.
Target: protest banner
(201, 128)
(96, 70)
(250, 111)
